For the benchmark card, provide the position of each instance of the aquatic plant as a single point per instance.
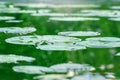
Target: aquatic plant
(32, 69)
(11, 58)
(36, 39)
(79, 33)
(17, 30)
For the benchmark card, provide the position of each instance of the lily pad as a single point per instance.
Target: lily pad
(8, 10)
(79, 33)
(118, 54)
(89, 76)
(99, 44)
(53, 14)
(95, 10)
(64, 67)
(46, 5)
(60, 47)
(32, 69)
(102, 13)
(44, 11)
(24, 40)
(33, 39)
(27, 11)
(6, 18)
(17, 30)
(50, 14)
(56, 38)
(14, 21)
(51, 77)
(73, 19)
(106, 39)
(110, 75)
(115, 7)
(22, 11)
(57, 14)
(114, 19)
(32, 5)
(74, 6)
(14, 58)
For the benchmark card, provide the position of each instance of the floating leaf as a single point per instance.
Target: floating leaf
(33, 39)
(60, 47)
(102, 13)
(110, 75)
(14, 21)
(14, 58)
(44, 11)
(99, 44)
(23, 40)
(118, 54)
(6, 18)
(96, 11)
(32, 5)
(74, 6)
(60, 14)
(22, 11)
(32, 69)
(51, 77)
(8, 10)
(69, 15)
(89, 76)
(114, 19)
(17, 30)
(106, 39)
(50, 14)
(79, 33)
(64, 67)
(115, 7)
(46, 5)
(72, 19)
(26, 11)
(56, 38)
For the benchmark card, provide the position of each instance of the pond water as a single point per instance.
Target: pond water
(46, 41)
